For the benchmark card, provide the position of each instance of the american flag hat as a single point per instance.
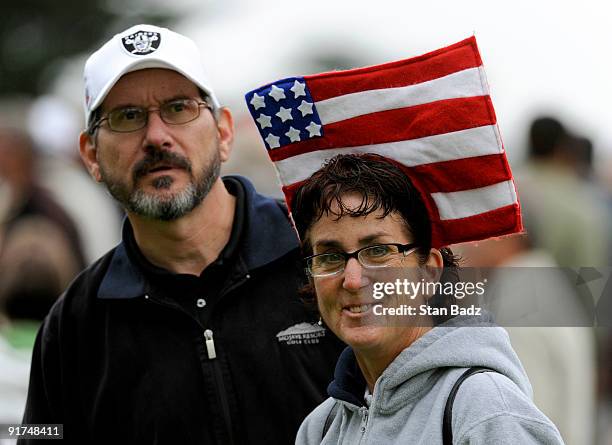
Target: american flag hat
(431, 115)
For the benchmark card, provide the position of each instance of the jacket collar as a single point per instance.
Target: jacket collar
(268, 236)
(471, 340)
(348, 384)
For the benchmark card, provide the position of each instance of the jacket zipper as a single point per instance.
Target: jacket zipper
(218, 375)
(364, 420)
(209, 344)
(212, 355)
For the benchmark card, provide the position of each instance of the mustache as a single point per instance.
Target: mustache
(153, 158)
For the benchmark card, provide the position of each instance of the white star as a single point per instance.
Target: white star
(258, 101)
(264, 121)
(314, 129)
(305, 108)
(298, 89)
(285, 114)
(272, 141)
(277, 93)
(293, 134)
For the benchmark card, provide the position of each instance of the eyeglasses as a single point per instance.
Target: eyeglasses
(175, 112)
(370, 257)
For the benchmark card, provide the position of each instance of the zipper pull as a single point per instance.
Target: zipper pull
(210, 344)
(364, 420)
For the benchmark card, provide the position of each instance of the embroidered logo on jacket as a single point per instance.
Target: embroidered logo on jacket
(301, 333)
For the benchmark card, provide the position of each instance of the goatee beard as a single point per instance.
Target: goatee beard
(171, 206)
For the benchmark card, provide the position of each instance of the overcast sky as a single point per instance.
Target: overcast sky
(541, 56)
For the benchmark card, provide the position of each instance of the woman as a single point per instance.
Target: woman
(357, 216)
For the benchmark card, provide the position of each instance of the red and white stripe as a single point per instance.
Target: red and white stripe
(433, 115)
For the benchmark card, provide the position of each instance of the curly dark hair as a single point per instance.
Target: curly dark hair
(383, 186)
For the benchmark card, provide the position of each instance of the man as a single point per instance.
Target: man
(190, 330)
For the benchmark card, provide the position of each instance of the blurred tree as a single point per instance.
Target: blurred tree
(36, 36)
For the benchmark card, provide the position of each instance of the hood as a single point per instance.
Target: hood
(461, 342)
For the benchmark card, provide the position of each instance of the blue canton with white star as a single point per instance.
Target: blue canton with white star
(284, 112)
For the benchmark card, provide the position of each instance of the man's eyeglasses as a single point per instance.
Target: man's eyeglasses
(370, 257)
(175, 112)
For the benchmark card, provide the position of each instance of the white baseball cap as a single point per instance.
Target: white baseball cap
(137, 48)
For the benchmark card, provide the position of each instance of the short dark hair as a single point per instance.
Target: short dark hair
(96, 115)
(545, 134)
(382, 186)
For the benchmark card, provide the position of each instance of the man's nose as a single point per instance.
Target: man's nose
(354, 279)
(157, 133)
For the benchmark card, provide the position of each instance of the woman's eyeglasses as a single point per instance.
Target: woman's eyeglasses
(370, 257)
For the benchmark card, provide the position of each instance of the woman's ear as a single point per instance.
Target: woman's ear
(435, 259)
(434, 265)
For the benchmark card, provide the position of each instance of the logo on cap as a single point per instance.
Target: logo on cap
(141, 43)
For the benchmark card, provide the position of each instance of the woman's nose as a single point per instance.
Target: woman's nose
(354, 279)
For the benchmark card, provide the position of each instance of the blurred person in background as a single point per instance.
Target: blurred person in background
(569, 215)
(36, 263)
(39, 255)
(14, 365)
(191, 329)
(567, 219)
(41, 250)
(54, 126)
(19, 170)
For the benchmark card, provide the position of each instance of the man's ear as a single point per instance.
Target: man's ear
(87, 150)
(225, 133)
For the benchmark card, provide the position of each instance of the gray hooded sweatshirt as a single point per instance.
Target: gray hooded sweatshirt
(408, 400)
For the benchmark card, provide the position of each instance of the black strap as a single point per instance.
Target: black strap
(330, 418)
(447, 421)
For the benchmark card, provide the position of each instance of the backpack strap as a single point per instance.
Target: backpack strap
(329, 419)
(447, 421)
